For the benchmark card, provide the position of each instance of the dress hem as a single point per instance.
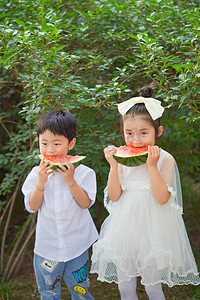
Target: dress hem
(148, 284)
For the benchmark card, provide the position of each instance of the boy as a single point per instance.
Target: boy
(65, 229)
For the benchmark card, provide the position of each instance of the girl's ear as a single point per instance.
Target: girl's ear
(72, 143)
(160, 131)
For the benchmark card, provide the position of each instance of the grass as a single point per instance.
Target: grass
(23, 287)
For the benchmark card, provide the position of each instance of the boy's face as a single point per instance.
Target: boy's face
(54, 145)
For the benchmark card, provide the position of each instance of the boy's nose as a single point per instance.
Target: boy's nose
(50, 149)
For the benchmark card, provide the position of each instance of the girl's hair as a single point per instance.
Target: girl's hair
(139, 109)
(58, 122)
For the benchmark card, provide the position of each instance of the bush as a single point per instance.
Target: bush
(55, 55)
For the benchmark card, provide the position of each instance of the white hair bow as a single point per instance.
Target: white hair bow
(152, 105)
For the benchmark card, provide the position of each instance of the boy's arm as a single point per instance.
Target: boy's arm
(158, 186)
(78, 193)
(36, 198)
(114, 187)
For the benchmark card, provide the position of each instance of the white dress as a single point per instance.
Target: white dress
(140, 237)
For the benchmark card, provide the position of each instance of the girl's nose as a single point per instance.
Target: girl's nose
(136, 140)
(137, 143)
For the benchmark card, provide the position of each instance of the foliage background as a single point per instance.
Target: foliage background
(86, 56)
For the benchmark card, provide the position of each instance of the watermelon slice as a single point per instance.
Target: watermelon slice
(55, 160)
(131, 156)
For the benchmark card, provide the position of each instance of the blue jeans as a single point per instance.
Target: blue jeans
(74, 272)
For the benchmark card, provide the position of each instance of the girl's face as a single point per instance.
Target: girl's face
(139, 132)
(54, 145)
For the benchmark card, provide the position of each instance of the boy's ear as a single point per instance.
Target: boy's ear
(72, 143)
(160, 131)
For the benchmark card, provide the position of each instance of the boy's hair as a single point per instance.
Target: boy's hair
(58, 122)
(139, 109)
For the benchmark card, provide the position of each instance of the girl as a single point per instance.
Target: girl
(144, 234)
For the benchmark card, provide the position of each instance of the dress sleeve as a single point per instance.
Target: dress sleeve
(170, 175)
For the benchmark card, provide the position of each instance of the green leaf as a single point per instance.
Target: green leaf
(20, 22)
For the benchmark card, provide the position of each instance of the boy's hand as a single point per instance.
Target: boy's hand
(67, 173)
(108, 152)
(153, 156)
(44, 172)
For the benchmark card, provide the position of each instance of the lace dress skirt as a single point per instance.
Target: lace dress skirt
(142, 238)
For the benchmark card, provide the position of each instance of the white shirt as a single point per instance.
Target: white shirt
(64, 230)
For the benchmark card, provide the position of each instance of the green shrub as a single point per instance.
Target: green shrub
(86, 58)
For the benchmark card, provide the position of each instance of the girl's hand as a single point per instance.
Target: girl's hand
(43, 173)
(153, 156)
(67, 173)
(108, 152)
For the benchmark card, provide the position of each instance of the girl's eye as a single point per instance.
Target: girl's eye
(144, 133)
(129, 133)
(44, 144)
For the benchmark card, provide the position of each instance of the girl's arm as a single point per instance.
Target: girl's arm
(36, 198)
(158, 186)
(114, 187)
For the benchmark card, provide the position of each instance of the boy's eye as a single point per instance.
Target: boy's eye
(57, 144)
(144, 133)
(44, 144)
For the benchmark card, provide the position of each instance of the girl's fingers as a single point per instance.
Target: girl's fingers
(109, 148)
(149, 150)
(153, 155)
(153, 149)
(109, 151)
(156, 150)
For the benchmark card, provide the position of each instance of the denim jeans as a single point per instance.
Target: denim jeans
(74, 272)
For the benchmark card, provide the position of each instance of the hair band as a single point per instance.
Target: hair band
(152, 105)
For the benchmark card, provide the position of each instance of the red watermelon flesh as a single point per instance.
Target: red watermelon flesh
(56, 160)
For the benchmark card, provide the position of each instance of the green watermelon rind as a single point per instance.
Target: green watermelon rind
(75, 163)
(131, 161)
